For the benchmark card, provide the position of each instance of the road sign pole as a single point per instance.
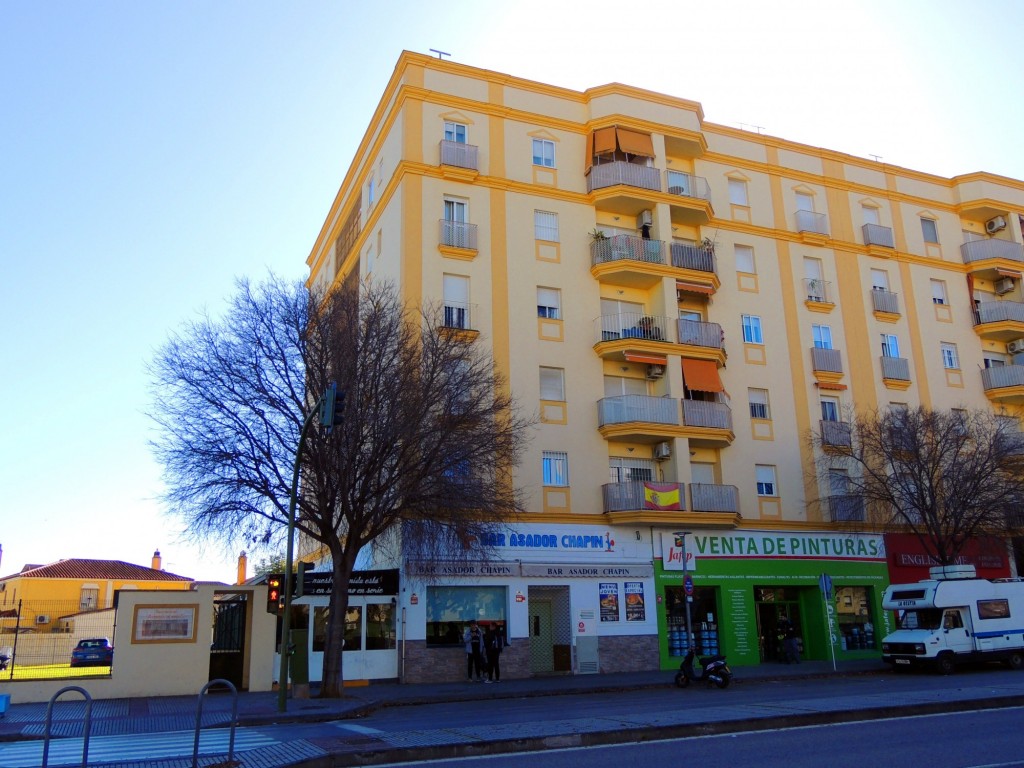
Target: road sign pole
(825, 583)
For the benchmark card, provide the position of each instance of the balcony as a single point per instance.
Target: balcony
(1004, 383)
(846, 508)
(628, 260)
(620, 172)
(885, 301)
(690, 195)
(895, 369)
(457, 234)
(687, 185)
(811, 222)
(817, 291)
(459, 155)
(632, 495)
(693, 257)
(826, 360)
(835, 434)
(999, 320)
(875, 234)
(707, 424)
(633, 325)
(457, 316)
(708, 497)
(696, 333)
(623, 409)
(992, 248)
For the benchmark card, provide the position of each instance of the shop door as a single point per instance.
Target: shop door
(772, 605)
(227, 652)
(542, 651)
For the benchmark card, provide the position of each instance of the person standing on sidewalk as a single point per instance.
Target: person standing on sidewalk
(474, 640)
(494, 643)
(790, 640)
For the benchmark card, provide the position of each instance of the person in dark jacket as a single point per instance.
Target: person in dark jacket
(474, 640)
(494, 644)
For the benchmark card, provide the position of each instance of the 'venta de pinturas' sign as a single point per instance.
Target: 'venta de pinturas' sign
(798, 546)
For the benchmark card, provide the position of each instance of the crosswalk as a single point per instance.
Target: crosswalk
(115, 749)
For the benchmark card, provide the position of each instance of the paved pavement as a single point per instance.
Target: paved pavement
(160, 731)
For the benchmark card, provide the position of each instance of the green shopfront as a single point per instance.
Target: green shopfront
(744, 582)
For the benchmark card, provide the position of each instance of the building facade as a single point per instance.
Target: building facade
(682, 303)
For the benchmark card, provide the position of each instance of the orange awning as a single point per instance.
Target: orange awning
(830, 385)
(639, 357)
(701, 375)
(635, 143)
(1008, 273)
(604, 140)
(694, 288)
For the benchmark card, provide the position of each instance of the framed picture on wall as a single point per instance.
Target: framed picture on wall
(164, 623)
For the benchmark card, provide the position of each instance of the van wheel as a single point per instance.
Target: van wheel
(945, 664)
(1015, 661)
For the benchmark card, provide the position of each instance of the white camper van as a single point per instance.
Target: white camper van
(954, 617)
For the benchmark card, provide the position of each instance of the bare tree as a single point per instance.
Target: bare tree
(423, 455)
(945, 476)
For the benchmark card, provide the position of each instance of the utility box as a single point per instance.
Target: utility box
(586, 642)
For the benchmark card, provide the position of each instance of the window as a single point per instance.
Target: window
(450, 609)
(549, 303)
(830, 409)
(456, 301)
(758, 399)
(456, 210)
(744, 259)
(545, 226)
(455, 132)
(738, 192)
(804, 201)
(929, 230)
(752, 329)
(552, 384)
(870, 214)
(544, 153)
(879, 280)
(622, 470)
(950, 359)
(994, 609)
(765, 474)
(890, 345)
(556, 468)
(90, 599)
(455, 229)
(380, 627)
(371, 192)
(938, 292)
(822, 336)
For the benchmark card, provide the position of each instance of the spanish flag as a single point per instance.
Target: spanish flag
(661, 496)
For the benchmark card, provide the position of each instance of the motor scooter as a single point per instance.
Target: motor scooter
(713, 669)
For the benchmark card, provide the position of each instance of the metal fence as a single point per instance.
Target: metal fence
(38, 636)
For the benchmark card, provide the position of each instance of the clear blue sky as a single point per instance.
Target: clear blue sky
(152, 152)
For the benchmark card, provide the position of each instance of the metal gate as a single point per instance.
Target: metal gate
(227, 653)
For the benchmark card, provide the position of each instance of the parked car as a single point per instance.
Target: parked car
(93, 652)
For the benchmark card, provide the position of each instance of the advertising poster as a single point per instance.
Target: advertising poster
(635, 610)
(609, 601)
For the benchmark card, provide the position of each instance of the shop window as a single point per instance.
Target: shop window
(450, 609)
(853, 612)
(320, 628)
(703, 621)
(354, 628)
(380, 627)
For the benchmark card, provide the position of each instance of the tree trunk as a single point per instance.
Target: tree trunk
(333, 680)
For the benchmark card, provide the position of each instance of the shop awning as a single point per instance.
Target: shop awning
(694, 288)
(635, 143)
(831, 385)
(639, 357)
(702, 375)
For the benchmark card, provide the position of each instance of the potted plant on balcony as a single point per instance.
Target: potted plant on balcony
(597, 235)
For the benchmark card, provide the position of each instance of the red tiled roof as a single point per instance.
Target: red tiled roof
(77, 568)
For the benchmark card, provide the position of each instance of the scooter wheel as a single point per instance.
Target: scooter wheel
(723, 681)
(682, 681)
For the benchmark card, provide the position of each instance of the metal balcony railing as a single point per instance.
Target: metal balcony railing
(693, 257)
(817, 289)
(628, 247)
(458, 234)
(708, 497)
(700, 334)
(875, 234)
(846, 508)
(895, 368)
(621, 172)
(622, 497)
(702, 413)
(459, 155)
(1002, 376)
(992, 248)
(633, 325)
(626, 408)
(809, 221)
(687, 185)
(828, 360)
(457, 315)
(885, 301)
(837, 434)
(999, 311)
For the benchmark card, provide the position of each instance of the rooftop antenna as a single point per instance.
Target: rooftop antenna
(877, 158)
(440, 54)
(757, 128)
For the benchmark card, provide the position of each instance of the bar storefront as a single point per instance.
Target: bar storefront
(745, 582)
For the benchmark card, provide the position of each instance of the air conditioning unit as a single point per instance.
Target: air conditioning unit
(1004, 286)
(646, 217)
(662, 451)
(655, 371)
(1015, 346)
(42, 618)
(995, 225)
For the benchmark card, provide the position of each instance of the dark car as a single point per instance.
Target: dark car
(93, 652)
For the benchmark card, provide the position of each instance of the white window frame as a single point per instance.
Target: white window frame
(555, 469)
(871, 215)
(890, 345)
(552, 384)
(622, 469)
(939, 295)
(767, 484)
(546, 156)
(879, 280)
(738, 193)
(932, 236)
(455, 290)
(456, 210)
(545, 226)
(830, 408)
(549, 303)
(742, 253)
(457, 133)
(805, 201)
(752, 332)
(950, 357)
(757, 399)
(822, 335)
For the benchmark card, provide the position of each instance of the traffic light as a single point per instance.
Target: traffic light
(332, 406)
(274, 594)
(300, 578)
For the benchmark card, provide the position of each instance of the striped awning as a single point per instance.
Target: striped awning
(694, 288)
(640, 357)
(831, 385)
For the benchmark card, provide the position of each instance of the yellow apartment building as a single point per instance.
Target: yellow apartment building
(681, 303)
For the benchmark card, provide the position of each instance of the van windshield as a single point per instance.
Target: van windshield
(928, 618)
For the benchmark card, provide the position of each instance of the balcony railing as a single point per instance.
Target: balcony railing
(633, 325)
(885, 301)
(817, 289)
(809, 221)
(999, 311)
(875, 234)
(828, 360)
(700, 334)
(702, 413)
(457, 315)
(693, 257)
(992, 248)
(459, 155)
(897, 368)
(1002, 376)
(630, 247)
(836, 434)
(622, 497)
(708, 497)
(458, 234)
(621, 172)
(687, 185)
(846, 508)
(626, 408)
